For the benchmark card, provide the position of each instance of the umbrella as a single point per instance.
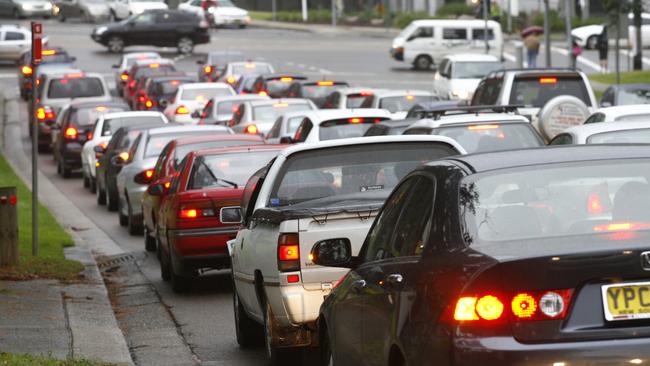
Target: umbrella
(532, 29)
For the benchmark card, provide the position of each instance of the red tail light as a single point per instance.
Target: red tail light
(45, 113)
(207, 69)
(26, 70)
(124, 76)
(194, 213)
(251, 129)
(148, 103)
(71, 133)
(182, 110)
(547, 80)
(288, 253)
(89, 136)
(594, 204)
(355, 120)
(293, 278)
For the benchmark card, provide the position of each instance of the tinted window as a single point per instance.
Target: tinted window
(488, 92)
(638, 136)
(356, 100)
(357, 173)
(88, 116)
(303, 130)
(403, 103)
(75, 88)
(203, 95)
(478, 34)
(277, 87)
(111, 125)
(454, 33)
(14, 36)
(128, 139)
(537, 91)
(473, 70)
(414, 224)
(595, 118)
(314, 91)
(225, 169)
(492, 137)
(272, 111)
(167, 87)
(343, 128)
(145, 70)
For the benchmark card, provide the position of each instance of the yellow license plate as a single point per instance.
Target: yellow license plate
(626, 301)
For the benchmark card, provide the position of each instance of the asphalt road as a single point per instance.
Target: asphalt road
(204, 315)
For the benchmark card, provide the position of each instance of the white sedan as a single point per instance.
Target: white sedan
(225, 13)
(626, 113)
(605, 133)
(193, 97)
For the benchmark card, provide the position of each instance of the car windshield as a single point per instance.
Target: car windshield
(156, 143)
(474, 70)
(271, 112)
(227, 170)
(636, 136)
(113, 124)
(367, 172)
(633, 96)
(536, 91)
(204, 94)
(511, 206)
(251, 68)
(83, 87)
(57, 58)
(314, 91)
(88, 116)
(403, 103)
(491, 137)
(346, 128)
(183, 150)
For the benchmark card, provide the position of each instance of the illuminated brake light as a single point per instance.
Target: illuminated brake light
(48, 52)
(124, 156)
(547, 80)
(40, 113)
(124, 77)
(465, 309)
(174, 82)
(523, 306)
(148, 103)
(193, 213)
(482, 127)
(622, 226)
(263, 93)
(182, 110)
(167, 185)
(148, 173)
(154, 66)
(489, 307)
(101, 108)
(188, 214)
(293, 278)
(355, 120)
(288, 253)
(325, 83)
(409, 97)
(250, 66)
(286, 79)
(366, 93)
(71, 133)
(26, 70)
(251, 129)
(104, 145)
(231, 80)
(280, 105)
(75, 75)
(207, 69)
(45, 112)
(594, 204)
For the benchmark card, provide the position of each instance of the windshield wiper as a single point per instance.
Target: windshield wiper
(233, 184)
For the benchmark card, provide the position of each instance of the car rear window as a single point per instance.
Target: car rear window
(536, 91)
(320, 90)
(349, 174)
(252, 68)
(183, 150)
(83, 87)
(271, 112)
(205, 94)
(403, 103)
(167, 87)
(156, 143)
(112, 125)
(88, 116)
(278, 87)
(585, 202)
(227, 170)
(356, 100)
(57, 58)
(145, 70)
(228, 107)
(636, 136)
(491, 137)
(346, 128)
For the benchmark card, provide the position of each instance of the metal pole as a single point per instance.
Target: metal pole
(618, 48)
(547, 36)
(333, 12)
(304, 11)
(34, 126)
(274, 10)
(485, 30)
(509, 17)
(569, 39)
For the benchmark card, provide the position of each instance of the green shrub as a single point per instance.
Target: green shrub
(403, 19)
(454, 10)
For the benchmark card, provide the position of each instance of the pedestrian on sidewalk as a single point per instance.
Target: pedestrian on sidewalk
(576, 51)
(603, 49)
(531, 42)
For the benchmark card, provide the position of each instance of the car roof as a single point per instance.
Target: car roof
(356, 90)
(355, 141)
(236, 63)
(457, 22)
(243, 97)
(256, 103)
(14, 26)
(534, 72)
(91, 104)
(145, 62)
(471, 57)
(134, 114)
(594, 128)
(401, 92)
(218, 85)
(220, 137)
(623, 110)
(239, 149)
(472, 118)
(282, 75)
(55, 72)
(174, 128)
(306, 81)
(142, 54)
(320, 115)
(145, 126)
(549, 155)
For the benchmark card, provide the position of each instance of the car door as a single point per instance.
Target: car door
(167, 28)
(421, 41)
(455, 39)
(390, 276)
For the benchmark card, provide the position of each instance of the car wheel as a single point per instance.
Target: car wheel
(277, 356)
(101, 195)
(115, 44)
(165, 270)
(180, 284)
(134, 229)
(124, 220)
(248, 332)
(111, 200)
(592, 42)
(185, 46)
(423, 62)
(92, 184)
(149, 241)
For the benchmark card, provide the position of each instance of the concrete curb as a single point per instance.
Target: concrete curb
(92, 323)
(377, 32)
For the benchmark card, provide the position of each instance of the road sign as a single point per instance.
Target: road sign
(37, 45)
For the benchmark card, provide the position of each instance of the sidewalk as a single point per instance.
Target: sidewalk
(379, 32)
(46, 317)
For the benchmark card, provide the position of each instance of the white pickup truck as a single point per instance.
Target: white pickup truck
(309, 193)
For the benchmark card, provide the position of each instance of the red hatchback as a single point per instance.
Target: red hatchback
(201, 211)
(166, 168)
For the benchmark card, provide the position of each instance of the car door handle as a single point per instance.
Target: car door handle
(357, 286)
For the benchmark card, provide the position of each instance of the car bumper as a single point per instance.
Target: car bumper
(72, 155)
(507, 351)
(202, 241)
(397, 54)
(98, 38)
(184, 119)
(45, 132)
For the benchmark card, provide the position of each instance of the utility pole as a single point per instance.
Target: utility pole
(618, 46)
(485, 30)
(37, 31)
(274, 10)
(547, 35)
(333, 12)
(304, 11)
(569, 38)
(638, 54)
(509, 17)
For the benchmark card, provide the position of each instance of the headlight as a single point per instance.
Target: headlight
(247, 19)
(26, 6)
(137, 11)
(212, 9)
(55, 10)
(460, 94)
(101, 30)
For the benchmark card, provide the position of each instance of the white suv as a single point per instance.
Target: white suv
(310, 193)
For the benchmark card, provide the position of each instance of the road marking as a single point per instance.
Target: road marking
(510, 57)
(582, 59)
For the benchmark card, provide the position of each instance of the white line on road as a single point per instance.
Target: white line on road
(510, 57)
(627, 53)
(8, 76)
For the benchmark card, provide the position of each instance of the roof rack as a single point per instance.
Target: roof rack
(436, 113)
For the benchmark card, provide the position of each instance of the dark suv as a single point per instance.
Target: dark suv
(164, 28)
(77, 122)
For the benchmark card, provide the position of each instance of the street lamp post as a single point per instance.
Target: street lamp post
(547, 35)
(485, 30)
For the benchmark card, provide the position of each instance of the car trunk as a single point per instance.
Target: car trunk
(214, 199)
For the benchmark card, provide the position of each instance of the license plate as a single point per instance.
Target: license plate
(626, 301)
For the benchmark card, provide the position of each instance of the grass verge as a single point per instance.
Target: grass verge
(10, 359)
(51, 262)
(626, 77)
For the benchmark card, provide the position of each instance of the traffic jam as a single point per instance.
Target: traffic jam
(371, 226)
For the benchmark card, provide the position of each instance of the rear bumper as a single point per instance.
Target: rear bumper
(507, 351)
(203, 247)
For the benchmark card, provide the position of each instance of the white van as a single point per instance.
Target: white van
(424, 42)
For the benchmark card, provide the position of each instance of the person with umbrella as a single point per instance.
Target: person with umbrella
(531, 41)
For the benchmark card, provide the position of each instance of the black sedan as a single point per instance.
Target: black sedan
(164, 28)
(528, 257)
(625, 94)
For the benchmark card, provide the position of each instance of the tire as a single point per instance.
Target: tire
(134, 229)
(165, 266)
(115, 44)
(277, 356)
(247, 330)
(592, 42)
(422, 62)
(180, 284)
(185, 46)
(86, 180)
(101, 195)
(92, 184)
(111, 200)
(124, 220)
(149, 241)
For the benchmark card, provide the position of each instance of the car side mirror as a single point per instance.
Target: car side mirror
(605, 104)
(287, 140)
(163, 103)
(332, 253)
(230, 215)
(157, 189)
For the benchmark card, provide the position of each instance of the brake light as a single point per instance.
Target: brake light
(482, 127)
(231, 80)
(45, 113)
(26, 70)
(355, 120)
(132, 84)
(48, 52)
(182, 110)
(75, 75)
(621, 226)
(124, 156)
(263, 93)
(167, 184)
(148, 173)
(124, 76)
(174, 82)
(280, 105)
(409, 97)
(293, 278)
(594, 204)
(104, 145)
(523, 306)
(250, 66)
(193, 213)
(71, 133)
(188, 214)
(148, 103)
(251, 129)
(547, 80)
(325, 83)
(89, 136)
(366, 93)
(286, 79)
(154, 66)
(101, 108)
(207, 69)
(465, 309)
(288, 253)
